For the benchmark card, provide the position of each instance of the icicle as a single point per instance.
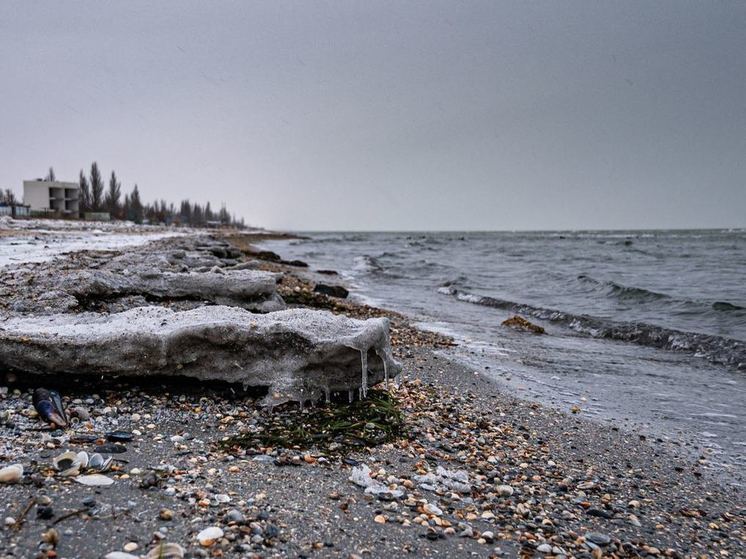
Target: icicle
(350, 395)
(364, 363)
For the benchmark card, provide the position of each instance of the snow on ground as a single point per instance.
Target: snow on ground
(39, 240)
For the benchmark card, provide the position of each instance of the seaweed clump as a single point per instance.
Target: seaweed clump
(334, 429)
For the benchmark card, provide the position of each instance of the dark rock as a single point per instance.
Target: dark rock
(520, 323)
(331, 290)
(110, 448)
(267, 255)
(600, 513)
(45, 513)
(328, 272)
(119, 436)
(598, 538)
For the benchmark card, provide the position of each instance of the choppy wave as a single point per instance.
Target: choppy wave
(640, 294)
(620, 291)
(717, 349)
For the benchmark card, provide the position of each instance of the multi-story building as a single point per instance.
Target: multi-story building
(52, 197)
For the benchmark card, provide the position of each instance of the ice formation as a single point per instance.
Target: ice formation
(299, 354)
(251, 289)
(360, 476)
(443, 479)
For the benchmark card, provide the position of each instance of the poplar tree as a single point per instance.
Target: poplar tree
(97, 188)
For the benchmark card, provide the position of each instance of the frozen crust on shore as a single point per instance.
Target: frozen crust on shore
(250, 289)
(298, 354)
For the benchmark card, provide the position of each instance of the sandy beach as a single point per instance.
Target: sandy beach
(473, 471)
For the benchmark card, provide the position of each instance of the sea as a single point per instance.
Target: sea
(644, 329)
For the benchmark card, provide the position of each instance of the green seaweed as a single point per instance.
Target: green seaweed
(333, 429)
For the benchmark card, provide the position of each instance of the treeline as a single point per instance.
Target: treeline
(96, 196)
(8, 198)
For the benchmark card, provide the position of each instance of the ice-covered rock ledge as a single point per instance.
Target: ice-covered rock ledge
(298, 354)
(251, 289)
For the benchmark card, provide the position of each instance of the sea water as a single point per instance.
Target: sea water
(644, 328)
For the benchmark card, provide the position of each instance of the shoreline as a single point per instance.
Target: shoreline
(572, 484)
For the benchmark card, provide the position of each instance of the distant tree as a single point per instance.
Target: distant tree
(50, 175)
(198, 215)
(112, 200)
(224, 216)
(97, 188)
(8, 197)
(185, 212)
(85, 193)
(135, 209)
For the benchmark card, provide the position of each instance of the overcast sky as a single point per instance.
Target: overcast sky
(389, 115)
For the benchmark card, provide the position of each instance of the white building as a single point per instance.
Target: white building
(53, 197)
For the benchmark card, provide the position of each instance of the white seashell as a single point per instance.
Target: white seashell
(107, 464)
(66, 460)
(11, 474)
(82, 457)
(166, 551)
(120, 555)
(94, 480)
(208, 536)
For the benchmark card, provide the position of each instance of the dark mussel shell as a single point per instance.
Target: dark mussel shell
(49, 406)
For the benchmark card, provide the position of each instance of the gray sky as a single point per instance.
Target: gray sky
(389, 115)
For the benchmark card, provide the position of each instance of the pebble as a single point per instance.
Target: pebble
(11, 474)
(235, 515)
(9, 521)
(505, 490)
(544, 548)
(166, 514)
(598, 538)
(209, 536)
(130, 546)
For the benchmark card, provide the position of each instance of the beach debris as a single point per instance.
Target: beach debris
(94, 480)
(209, 536)
(335, 429)
(331, 290)
(120, 555)
(443, 479)
(300, 354)
(165, 550)
(361, 476)
(11, 474)
(519, 323)
(48, 405)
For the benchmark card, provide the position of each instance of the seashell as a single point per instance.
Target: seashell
(94, 480)
(11, 474)
(70, 472)
(83, 459)
(49, 406)
(209, 536)
(66, 461)
(96, 461)
(166, 551)
(120, 555)
(106, 465)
